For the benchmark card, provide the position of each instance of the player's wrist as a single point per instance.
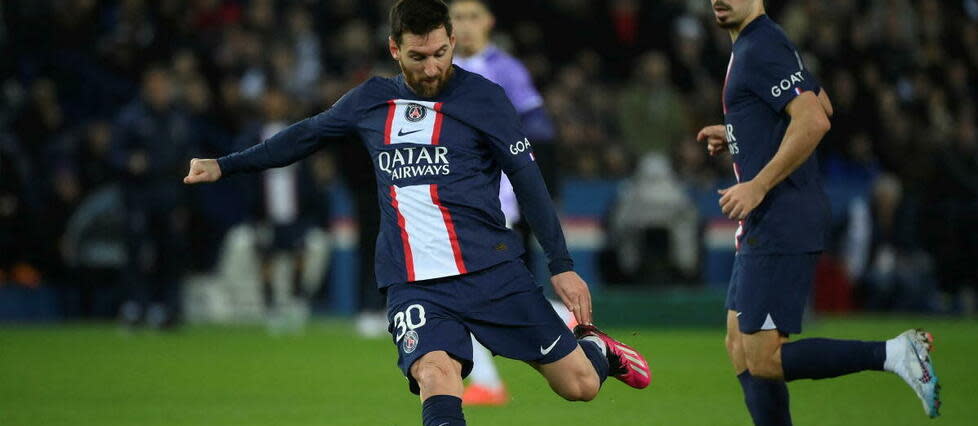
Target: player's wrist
(559, 266)
(762, 184)
(224, 165)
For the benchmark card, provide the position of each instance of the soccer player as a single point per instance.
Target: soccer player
(775, 115)
(439, 137)
(472, 23)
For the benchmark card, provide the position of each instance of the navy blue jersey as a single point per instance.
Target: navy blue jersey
(764, 74)
(437, 163)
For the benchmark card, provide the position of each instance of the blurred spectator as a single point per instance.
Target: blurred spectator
(14, 209)
(41, 120)
(654, 225)
(652, 115)
(896, 277)
(150, 149)
(953, 209)
(291, 204)
(903, 75)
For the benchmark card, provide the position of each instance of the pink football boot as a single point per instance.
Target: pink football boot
(625, 363)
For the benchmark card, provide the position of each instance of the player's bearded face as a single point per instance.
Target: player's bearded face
(425, 60)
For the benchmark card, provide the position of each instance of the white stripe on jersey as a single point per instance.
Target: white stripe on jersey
(428, 237)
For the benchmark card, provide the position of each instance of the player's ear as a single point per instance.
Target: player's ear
(395, 51)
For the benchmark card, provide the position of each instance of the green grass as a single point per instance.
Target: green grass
(94, 375)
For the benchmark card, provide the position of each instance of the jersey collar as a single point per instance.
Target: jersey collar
(760, 21)
(453, 82)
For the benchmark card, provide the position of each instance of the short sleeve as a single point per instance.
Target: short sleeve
(778, 75)
(506, 138)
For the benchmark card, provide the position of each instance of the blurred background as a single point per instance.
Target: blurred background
(104, 102)
(103, 107)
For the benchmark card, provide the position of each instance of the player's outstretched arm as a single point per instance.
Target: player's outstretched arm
(715, 137)
(203, 170)
(297, 141)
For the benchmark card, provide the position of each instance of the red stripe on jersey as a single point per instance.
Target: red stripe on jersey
(408, 258)
(436, 133)
(450, 226)
(391, 107)
(740, 223)
(723, 95)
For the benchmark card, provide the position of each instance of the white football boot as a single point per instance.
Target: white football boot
(908, 355)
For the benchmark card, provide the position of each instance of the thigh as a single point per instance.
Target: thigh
(515, 320)
(770, 292)
(566, 371)
(762, 344)
(735, 343)
(420, 322)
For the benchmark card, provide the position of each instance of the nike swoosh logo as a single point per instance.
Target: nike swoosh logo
(401, 132)
(443, 424)
(739, 314)
(549, 348)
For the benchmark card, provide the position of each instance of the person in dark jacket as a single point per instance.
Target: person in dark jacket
(152, 141)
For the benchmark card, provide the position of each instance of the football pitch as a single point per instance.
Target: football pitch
(94, 374)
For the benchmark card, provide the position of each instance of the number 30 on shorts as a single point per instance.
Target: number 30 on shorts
(405, 320)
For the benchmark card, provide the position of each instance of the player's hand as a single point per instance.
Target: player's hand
(739, 200)
(573, 291)
(715, 137)
(203, 170)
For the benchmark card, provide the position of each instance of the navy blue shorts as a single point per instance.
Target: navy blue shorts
(770, 292)
(501, 306)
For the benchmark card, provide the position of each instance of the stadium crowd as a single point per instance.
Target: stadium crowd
(104, 101)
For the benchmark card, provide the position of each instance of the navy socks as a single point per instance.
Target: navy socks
(825, 358)
(767, 400)
(598, 358)
(442, 410)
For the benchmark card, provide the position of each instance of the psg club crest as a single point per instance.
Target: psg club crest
(410, 342)
(415, 112)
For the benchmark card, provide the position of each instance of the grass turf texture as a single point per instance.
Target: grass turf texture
(92, 374)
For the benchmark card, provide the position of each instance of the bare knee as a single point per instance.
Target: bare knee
(438, 374)
(732, 342)
(762, 353)
(584, 388)
(763, 366)
(735, 351)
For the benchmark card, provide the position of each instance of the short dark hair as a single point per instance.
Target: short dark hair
(418, 17)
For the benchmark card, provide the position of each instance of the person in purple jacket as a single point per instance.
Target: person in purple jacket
(439, 138)
(473, 22)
